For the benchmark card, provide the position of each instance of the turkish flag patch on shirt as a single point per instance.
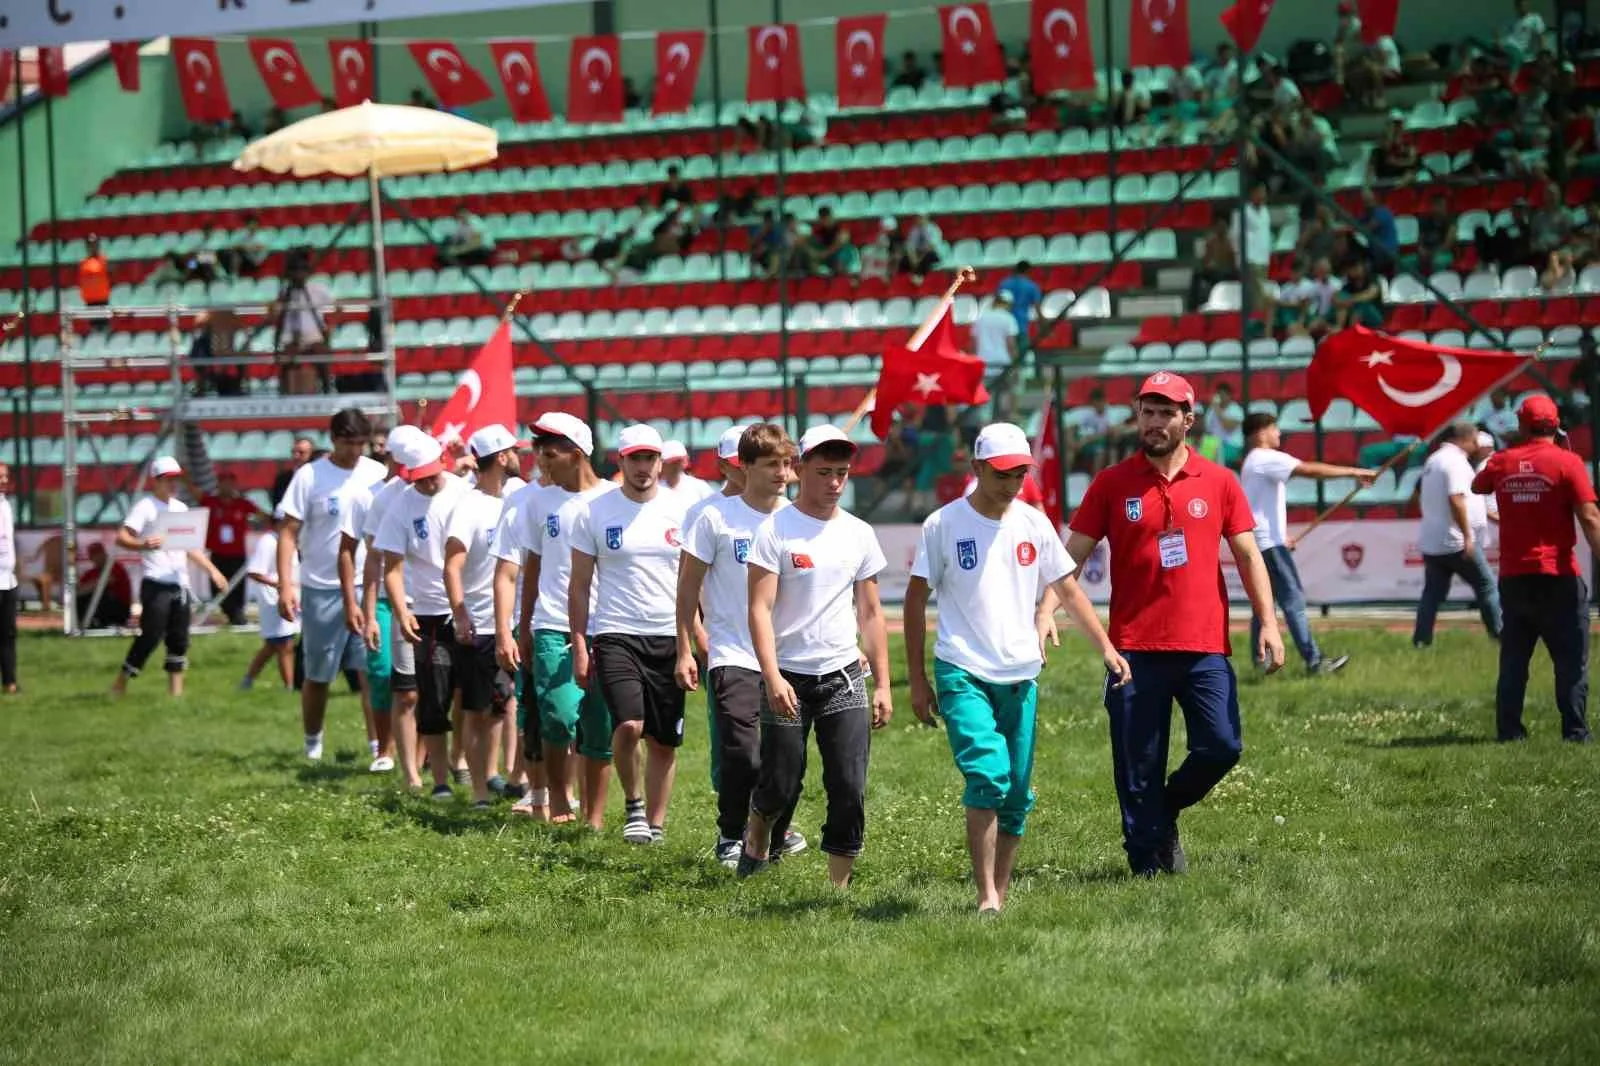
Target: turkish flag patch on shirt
(800, 562)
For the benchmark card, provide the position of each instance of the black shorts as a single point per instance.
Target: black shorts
(484, 686)
(436, 684)
(635, 675)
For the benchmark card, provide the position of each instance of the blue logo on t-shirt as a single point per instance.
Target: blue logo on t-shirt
(741, 549)
(613, 537)
(333, 507)
(420, 527)
(1133, 506)
(552, 526)
(967, 554)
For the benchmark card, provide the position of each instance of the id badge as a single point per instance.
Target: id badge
(1174, 549)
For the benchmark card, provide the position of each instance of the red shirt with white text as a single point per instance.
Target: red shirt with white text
(229, 524)
(1538, 486)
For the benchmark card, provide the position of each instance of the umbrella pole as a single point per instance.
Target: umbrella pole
(380, 293)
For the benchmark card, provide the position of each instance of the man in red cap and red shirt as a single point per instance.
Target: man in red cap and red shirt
(1540, 488)
(1164, 513)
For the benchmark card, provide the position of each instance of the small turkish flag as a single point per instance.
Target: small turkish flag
(972, 53)
(53, 79)
(858, 60)
(1245, 20)
(1047, 469)
(678, 55)
(594, 80)
(1060, 50)
(775, 70)
(450, 77)
(518, 65)
(1409, 388)
(484, 396)
(125, 57)
(1378, 18)
(936, 373)
(283, 74)
(352, 71)
(8, 72)
(1158, 33)
(205, 94)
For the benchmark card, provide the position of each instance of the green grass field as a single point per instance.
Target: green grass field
(179, 886)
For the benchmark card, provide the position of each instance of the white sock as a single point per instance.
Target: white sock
(312, 740)
(539, 797)
(372, 746)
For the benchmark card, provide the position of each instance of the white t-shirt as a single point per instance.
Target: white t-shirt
(1232, 412)
(264, 561)
(1257, 250)
(475, 523)
(317, 497)
(163, 567)
(539, 520)
(635, 547)
(8, 545)
(1265, 475)
(990, 332)
(818, 564)
(989, 576)
(1480, 507)
(305, 313)
(1447, 473)
(1091, 423)
(415, 529)
(1526, 34)
(1286, 96)
(692, 489)
(720, 536)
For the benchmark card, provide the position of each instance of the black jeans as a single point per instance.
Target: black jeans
(233, 602)
(8, 636)
(736, 695)
(1555, 610)
(1437, 570)
(835, 705)
(164, 616)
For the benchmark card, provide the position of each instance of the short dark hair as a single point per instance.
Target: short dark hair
(350, 422)
(833, 451)
(761, 440)
(1257, 421)
(1023, 266)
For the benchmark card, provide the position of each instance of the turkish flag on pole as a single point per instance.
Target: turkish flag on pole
(352, 71)
(594, 80)
(454, 82)
(1409, 388)
(937, 372)
(518, 65)
(678, 55)
(53, 80)
(775, 69)
(858, 60)
(484, 396)
(1059, 47)
(1158, 33)
(205, 94)
(972, 53)
(1047, 469)
(1245, 20)
(282, 72)
(1378, 18)
(125, 57)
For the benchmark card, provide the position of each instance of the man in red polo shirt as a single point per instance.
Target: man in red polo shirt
(1540, 488)
(232, 514)
(1164, 513)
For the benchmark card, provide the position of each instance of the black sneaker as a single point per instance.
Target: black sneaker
(442, 792)
(749, 865)
(481, 805)
(1329, 666)
(793, 844)
(497, 785)
(514, 792)
(1170, 854)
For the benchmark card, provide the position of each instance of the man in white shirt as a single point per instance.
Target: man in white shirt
(277, 636)
(1224, 419)
(8, 587)
(317, 496)
(994, 335)
(164, 596)
(625, 549)
(1252, 242)
(412, 541)
(1498, 414)
(1265, 476)
(675, 474)
(531, 629)
(712, 578)
(991, 559)
(486, 689)
(813, 574)
(1445, 537)
(1525, 36)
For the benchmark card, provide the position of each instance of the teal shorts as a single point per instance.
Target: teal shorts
(380, 668)
(991, 731)
(568, 714)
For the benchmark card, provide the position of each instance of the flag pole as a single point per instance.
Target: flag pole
(1411, 448)
(946, 302)
(511, 306)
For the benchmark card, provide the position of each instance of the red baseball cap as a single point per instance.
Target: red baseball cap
(1168, 386)
(1539, 412)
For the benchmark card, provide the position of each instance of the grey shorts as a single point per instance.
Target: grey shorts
(329, 645)
(402, 659)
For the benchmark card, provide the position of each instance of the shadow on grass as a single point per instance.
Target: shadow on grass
(888, 909)
(1439, 740)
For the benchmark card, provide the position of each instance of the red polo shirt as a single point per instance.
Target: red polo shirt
(1178, 606)
(1539, 486)
(230, 523)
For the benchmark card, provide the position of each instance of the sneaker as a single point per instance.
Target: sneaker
(728, 852)
(314, 748)
(793, 844)
(442, 792)
(748, 865)
(1170, 854)
(636, 830)
(497, 785)
(481, 805)
(658, 835)
(381, 765)
(461, 776)
(515, 792)
(1329, 666)
(246, 684)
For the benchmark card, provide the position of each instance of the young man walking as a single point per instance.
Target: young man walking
(991, 559)
(277, 636)
(813, 576)
(625, 547)
(8, 588)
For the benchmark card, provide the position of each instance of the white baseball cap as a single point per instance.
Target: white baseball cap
(397, 437)
(1003, 446)
(728, 444)
(639, 438)
(420, 456)
(492, 440)
(673, 451)
(165, 466)
(560, 424)
(1485, 440)
(818, 435)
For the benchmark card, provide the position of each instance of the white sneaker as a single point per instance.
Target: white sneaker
(728, 852)
(314, 749)
(381, 765)
(636, 830)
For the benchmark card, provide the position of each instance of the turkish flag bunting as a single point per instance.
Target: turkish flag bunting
(1158, 33)
(594, 80)
(1378, 18)
(8, 72)
(1047, 469)
(53, 80)
(518, 65)
(205, 94)
(1409, 388)
(775, 68)
(678, 55)
(858, 60)
(454, 82)
(972, 53)
(283, 74)
(1245, 20)
(125, 57)
(484, 396)
(936, 373)
(1059, 47)
(352, 71)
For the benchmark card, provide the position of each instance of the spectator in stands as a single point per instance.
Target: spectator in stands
(766, 245)
(632, 99)
(466, 242)
(1360, 302)
(1218, 263)
(1383, 235)
(1559, 275)
(911, 75)
(994, 335)
(1309, 143)
(232, 515)
(301, 452)
(1092, 435)
(419, 98)
(1252, 241)
(238, 127)
(1436, 238)
(94, 280)
(827, 249)
(1222, 78)
(247, 251)
(1285, 93)
(1524, 38)
(216, 337)
(1316, 237)
(1305, 307)
(300, 313)
(1025, 298)
(676, 190)
(1130, 105)
(1508, 244)
(1394, 160)
(116, 602)
(879, 259)
(924, 248)
(277, 118)
(1224, 419)
(1551, 227)
(1498, 415)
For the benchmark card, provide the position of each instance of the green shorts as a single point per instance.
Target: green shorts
(991, 731)
(568, 715)
(380, 668)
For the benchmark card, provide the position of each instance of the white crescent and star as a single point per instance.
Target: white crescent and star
(858, 68)
(352, 64)
(280, 54)
(1159, 25)
(200, 60)
(474, 386)
(596, 82)
(1449, 380)
(927, 385)
(508, 66)
(781, 33)
(1055, 18)
(436, 56)
(966, 14)
(680, 52)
